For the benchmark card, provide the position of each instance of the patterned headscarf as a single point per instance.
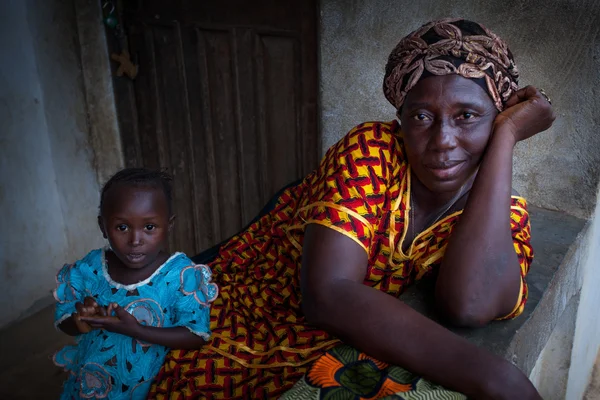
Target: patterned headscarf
(451, 46)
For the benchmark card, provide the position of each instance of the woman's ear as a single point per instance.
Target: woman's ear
(101, 226)
(171, 222)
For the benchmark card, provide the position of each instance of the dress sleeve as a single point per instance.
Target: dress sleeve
(521, 234)
(69, 290)
(347, 191)
(196, 292)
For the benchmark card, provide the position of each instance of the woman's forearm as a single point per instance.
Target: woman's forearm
(387, 329)
(479, 278)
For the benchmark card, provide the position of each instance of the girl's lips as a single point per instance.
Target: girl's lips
(135, 257)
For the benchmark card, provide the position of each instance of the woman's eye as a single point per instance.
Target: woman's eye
(122, 227)
(467, 115)
(150, 227)
(420, 117)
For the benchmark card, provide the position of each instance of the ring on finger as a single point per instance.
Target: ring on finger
(543, 93)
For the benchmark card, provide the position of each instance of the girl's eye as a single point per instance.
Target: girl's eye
(122, 227)
(150, 227)
(421, 117)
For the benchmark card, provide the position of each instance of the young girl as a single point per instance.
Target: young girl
(128, 304)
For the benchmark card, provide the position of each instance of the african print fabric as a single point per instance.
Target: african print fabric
(261, 343)
(451, 46)
(344, 373)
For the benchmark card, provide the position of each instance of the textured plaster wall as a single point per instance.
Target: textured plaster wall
(586, 341)
(556, 45)
(48, 186)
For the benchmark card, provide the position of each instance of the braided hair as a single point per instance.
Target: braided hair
(141, 177)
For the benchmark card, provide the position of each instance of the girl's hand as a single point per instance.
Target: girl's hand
(89, 308)
(123, 323)
(527, 113)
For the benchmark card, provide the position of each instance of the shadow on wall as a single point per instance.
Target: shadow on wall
(49, 186)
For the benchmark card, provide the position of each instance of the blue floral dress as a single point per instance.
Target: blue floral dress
(114, 366)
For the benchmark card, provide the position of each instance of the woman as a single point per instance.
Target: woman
(386, 207)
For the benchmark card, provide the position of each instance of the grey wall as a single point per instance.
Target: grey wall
(556, 45)
(48, 186)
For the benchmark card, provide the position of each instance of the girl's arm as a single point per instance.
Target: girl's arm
(480, 278)
(126, 324)
(335, 299)
(69, 326)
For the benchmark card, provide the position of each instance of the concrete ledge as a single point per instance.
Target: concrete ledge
(553, 280)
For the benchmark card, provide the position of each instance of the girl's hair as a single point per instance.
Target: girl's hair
(141, 177)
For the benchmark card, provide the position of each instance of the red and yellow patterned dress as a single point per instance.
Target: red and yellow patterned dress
(261, 344)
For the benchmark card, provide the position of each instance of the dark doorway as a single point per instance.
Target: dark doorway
(226, 100)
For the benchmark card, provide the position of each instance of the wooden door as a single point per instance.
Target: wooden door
(225, 100)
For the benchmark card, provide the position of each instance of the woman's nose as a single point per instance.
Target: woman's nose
(444, 136)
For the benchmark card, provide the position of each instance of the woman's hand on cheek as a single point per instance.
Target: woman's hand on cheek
(527, 113)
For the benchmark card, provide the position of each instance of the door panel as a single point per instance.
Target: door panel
(225, 101)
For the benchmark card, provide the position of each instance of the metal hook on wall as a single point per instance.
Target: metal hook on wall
(110, 19)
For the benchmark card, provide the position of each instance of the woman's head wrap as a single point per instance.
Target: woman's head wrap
(451, 46)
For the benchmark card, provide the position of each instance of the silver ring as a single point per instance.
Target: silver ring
(543, 93)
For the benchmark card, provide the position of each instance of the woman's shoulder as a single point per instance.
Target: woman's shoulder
(370, 140)
(384, 132)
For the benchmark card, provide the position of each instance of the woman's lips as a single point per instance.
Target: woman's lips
(446, 170)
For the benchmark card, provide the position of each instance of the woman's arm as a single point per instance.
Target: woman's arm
(126, 324)
(380, 325)
(479, 278)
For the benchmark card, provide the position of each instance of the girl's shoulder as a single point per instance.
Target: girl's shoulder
(173, 266)
(80, 273)
(184, 273)
(91, 262)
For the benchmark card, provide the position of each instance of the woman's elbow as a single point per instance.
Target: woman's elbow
(312, 313)
(317, 310)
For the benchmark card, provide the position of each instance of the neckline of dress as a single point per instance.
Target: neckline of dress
(405, 195)
(132, 286)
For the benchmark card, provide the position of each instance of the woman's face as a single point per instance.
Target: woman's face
(446, 121)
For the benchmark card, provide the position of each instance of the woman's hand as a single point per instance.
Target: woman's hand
(527, 113)
(89, 308)
(507, 382)
(123, 323)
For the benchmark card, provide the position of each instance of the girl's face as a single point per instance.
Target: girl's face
(136, 222)
(447, 122)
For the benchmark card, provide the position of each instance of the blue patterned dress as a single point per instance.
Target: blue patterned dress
(114, 366)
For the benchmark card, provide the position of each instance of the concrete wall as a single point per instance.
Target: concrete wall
(48, 186)
(586, 342)
(557, 48)
(564, 367)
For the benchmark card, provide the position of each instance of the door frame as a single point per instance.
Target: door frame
(97, 72)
